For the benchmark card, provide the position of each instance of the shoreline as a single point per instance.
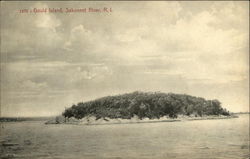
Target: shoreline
(91, 120)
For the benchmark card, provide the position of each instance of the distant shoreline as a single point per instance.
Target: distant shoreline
(21, 119)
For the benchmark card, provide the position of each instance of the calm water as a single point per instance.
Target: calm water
(206, 139)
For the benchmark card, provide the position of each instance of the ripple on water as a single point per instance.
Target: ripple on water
(217, 139)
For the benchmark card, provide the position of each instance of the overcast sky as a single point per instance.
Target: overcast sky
(51, 60)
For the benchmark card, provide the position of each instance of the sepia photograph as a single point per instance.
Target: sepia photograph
(124, 80)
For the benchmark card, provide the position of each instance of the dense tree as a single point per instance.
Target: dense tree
(151, 105)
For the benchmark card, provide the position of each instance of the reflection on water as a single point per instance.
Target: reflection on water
(204, 139)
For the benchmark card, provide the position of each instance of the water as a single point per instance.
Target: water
(204, 139)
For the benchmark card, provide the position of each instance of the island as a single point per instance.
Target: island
(140, 107)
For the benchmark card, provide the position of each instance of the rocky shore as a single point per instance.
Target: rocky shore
(91, 120)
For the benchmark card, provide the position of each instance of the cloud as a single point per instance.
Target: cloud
(80, 38)
(183, 47)
(36, 36)
(33, 86)
(45, 20)
(82, 73)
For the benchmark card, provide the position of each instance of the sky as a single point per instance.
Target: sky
(50, 61)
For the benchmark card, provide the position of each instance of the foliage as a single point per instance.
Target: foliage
(151, 105)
